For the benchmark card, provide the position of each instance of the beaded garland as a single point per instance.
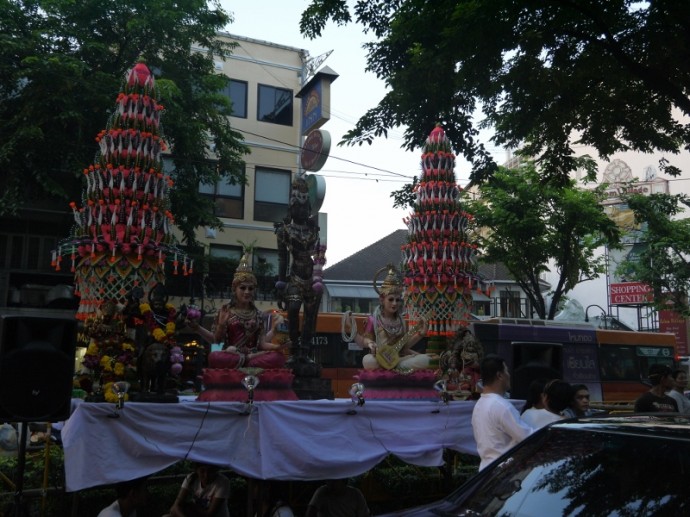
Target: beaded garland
(438, 259)
(123, 229)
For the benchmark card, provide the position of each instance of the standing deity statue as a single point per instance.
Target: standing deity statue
(300, 260)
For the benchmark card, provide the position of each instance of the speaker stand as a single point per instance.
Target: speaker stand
(18, 508)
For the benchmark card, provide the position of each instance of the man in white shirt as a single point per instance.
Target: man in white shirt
(496, 423)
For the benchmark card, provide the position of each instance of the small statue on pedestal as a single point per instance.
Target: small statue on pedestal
(460, 365)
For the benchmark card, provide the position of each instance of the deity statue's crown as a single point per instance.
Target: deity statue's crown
(300, 184)
(243, 273)
(392, 284)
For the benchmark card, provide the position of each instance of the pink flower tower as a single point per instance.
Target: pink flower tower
(123, 228)
(438, 259)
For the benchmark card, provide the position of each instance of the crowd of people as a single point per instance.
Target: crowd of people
(206, 490)
(498, 426)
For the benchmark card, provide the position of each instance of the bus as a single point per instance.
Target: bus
(613, 364)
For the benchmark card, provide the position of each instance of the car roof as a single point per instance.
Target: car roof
(661, 425)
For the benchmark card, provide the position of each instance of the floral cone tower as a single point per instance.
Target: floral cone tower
(123, 229)
(438, 260)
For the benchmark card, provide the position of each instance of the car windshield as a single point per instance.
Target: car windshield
(585, 472)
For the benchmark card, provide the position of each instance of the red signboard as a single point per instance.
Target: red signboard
(674, 323)
(630, 293)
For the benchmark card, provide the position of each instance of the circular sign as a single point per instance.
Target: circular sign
(317, 191)
(315, 150)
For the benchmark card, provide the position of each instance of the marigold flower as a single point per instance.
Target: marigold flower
(106, 363)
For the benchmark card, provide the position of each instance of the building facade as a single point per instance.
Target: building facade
(264, 81)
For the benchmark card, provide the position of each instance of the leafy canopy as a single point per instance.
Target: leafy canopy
(614, 75)
(528, 223)
(61, 67)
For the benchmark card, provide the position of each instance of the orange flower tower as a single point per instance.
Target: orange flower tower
(438, 259)
(123, 228)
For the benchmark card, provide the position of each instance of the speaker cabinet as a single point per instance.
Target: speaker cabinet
(36, 367)
(532, 361)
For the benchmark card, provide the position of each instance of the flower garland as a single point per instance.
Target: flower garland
(162, 329)
(110, 355)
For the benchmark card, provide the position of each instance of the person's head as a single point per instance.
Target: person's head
(557, 395)
(580, 402)
(495, 374)
(132, 494)
(680, 378)
(660, 375)
(535, 395)
(244, 281)
(206, 472)
(336, 486)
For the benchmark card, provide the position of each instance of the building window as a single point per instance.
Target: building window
(275, 105)
(228, 198)
(265, 267)
(236, 91)
(222, 264)
(271, 194)
(510, 304)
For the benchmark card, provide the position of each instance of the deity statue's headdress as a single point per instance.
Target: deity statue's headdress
(392, 284)
(243, 273)
(299, 191)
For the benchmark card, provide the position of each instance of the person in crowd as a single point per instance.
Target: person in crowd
(337, 499)
(535, 396)
(131, 496)
(556, 398)
(677, 393)
(240, 326)
(274, 500)
(496, 423)
(385, 334)
(204, 493)
(579, 404)
(655, 400)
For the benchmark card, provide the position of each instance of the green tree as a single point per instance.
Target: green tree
(663, 263)
(529, 223)
(61, 66)
(545, 75)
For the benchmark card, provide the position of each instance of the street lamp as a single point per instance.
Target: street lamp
(604, 314)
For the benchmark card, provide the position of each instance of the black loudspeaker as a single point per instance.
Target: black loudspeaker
(532, 361)
(36, 367)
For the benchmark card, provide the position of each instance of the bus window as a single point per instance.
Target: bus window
(649, 355)
(618, 363)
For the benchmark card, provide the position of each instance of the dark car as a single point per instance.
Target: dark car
(633, 465)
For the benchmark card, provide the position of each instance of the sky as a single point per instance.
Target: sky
(358, 203)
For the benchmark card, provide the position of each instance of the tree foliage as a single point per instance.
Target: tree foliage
(529, 223)
(546, 76)
(664, 263)
(61, 66)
